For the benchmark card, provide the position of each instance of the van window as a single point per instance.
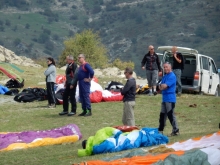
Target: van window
(205, 63)
(214, 70)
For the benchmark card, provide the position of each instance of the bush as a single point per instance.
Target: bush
(17, 41)
(64, 4)
(49, 45)
(88, 43)
(139, 19)
(27, 26)
(7, 22)
(122, 65)
(56, 37)
(96, 9)
(47, 31)
(43, 38)
(201, 32)
(73, 17)
(1, 23)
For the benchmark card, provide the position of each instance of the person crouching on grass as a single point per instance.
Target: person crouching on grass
(129, 92)
(168, 88)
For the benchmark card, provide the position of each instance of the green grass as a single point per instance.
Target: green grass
(18, 117)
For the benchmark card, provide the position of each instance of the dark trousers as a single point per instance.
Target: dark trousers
(167, 110)
(84, 92)
(69, 93)
(50, 93)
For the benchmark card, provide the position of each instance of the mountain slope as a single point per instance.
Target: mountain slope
(38, 28)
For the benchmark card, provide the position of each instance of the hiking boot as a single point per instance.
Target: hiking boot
(71, 114)
(82, 114)
(52, 106)
(178, 94)
(63, 113)
(155, 93)
(88, 113)
(175, 133)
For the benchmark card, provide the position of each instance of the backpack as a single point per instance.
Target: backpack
(31, 94)
(12, 83)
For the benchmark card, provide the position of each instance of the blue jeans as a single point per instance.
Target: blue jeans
(178, 73)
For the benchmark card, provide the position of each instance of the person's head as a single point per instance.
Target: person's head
(128, 72)
(151, 49)
(50, 60)
(174, 49)
(69, 59)
(81, 58)
(167, 67)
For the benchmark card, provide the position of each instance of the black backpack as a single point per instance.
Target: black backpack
(31, 94)
(12, 83)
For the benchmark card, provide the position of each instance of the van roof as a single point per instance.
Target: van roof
(180, 49)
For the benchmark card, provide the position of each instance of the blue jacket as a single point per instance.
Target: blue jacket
(85, 71)
(3, 90)
(169, 95)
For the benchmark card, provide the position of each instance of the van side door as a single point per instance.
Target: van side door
(205, 74)
(215, 77)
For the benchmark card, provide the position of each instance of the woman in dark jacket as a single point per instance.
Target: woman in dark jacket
(50, 74)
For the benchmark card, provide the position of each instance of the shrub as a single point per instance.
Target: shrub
(201, 32)
(122, 65)
(88, 43)
(17, 41)
(49, 45)
(27, 26)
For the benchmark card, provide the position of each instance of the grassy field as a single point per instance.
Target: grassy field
(14, 116)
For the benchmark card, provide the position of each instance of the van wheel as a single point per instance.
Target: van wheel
(217, 92)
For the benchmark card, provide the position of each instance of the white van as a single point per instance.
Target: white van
(200, 73)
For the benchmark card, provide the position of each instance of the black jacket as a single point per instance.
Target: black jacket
(177, 65)
(129, 90)
(70, 71)
(152, 62)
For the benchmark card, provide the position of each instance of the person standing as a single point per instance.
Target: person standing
(85, 75)
(178, 66)
(168, 88)
(129, 92)
(50, 74)
(70, 88)
(152, 65)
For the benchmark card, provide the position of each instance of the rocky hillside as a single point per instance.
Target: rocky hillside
(9, 56)
(38, 28)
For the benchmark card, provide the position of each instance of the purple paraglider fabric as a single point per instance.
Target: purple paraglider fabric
(7, 139)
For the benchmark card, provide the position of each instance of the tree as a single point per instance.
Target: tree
(201, 32)
(88, 43)
(49, 45)
(96, 9)
(17, 41)
(43, 38)
(7, 22)
(27, 26)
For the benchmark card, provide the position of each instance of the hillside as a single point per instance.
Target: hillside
(38, 28)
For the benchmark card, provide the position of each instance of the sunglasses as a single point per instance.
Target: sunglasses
(152, 49)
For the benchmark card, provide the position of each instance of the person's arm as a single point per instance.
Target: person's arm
(178, 59)
(158, 63)
(143, 61)
(90, 70)
(75, 78)
(49, 70)
(126, 87)
(169, 82)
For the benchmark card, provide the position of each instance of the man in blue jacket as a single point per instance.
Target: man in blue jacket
(85, 75)
(129, 92)
(168, 88)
